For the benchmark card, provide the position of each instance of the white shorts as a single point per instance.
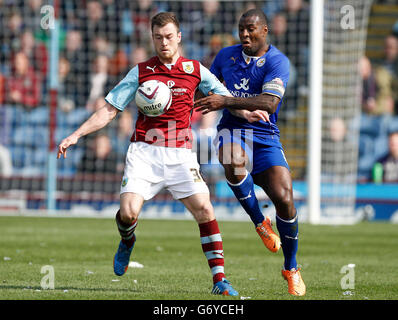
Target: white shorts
(151, 168)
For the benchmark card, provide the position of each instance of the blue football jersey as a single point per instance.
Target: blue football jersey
(246, 76)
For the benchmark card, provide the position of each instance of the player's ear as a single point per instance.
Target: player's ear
(179, 37)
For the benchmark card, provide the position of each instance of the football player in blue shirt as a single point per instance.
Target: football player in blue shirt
(256, 73)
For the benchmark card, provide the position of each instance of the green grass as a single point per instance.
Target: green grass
(81, 253)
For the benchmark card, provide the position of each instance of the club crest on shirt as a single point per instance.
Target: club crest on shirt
(187, 66)
(260, 62)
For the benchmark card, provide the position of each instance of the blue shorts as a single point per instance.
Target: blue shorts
(262, 154)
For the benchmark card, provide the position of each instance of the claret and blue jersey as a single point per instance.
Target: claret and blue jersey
(245, 77)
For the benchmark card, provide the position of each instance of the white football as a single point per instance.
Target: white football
(153, 98)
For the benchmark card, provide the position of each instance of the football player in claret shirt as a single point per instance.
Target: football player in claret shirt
(256, 73)
(160, 155)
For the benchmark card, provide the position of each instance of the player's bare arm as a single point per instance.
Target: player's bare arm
(97, 121)
(265, 102)
(251, 116)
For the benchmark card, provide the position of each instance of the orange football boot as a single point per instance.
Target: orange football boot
(295, 283)
(270, 238)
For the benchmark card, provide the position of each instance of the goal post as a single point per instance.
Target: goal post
(315, 111)
(51, 185)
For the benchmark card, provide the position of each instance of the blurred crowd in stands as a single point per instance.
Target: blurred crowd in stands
(100, 41)
(379, 119)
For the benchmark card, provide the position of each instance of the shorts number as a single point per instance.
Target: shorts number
(196, 175)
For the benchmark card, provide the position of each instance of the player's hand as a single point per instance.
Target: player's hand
(257, 115)
(212, 102)
(65, 144)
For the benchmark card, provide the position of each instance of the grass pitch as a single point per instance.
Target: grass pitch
(174, 268)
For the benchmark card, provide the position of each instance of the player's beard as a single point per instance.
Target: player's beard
(167, 55)
(248, 51)
(256, 50)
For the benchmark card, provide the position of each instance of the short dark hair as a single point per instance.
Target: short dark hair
(258, 13)
(163, 18)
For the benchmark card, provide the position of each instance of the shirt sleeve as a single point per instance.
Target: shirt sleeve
(122, 94)
(275, 81)
(209, 82)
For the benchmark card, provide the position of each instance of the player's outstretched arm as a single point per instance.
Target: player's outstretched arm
(97, 121)
(216, 102)
(219, 97)
(265, 102)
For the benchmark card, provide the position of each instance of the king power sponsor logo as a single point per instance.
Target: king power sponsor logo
(240, 94)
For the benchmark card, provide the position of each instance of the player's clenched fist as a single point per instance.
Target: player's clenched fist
(65, 144)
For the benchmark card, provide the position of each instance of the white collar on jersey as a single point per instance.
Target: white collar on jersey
(169, 65)
(248, 58)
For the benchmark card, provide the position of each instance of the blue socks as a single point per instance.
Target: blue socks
(244, 192)
(288, 232)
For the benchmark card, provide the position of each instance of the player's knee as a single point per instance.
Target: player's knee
(232, 163)
(284, 203)
(128, 213)
(286, 196)
(238, 161)
(232, 156)
(204, 212)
